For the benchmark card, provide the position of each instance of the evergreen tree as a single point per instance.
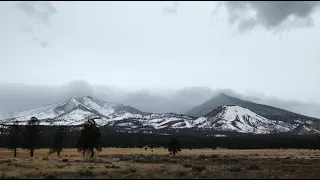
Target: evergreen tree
(14, 137)
(174, 146)
(2, 139)
(58, 142)
(89, 140)
(32, 134)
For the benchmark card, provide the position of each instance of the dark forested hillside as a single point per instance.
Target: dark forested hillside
(111, 138)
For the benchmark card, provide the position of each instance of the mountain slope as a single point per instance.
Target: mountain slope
(74, 111)
(240, 119)
(226, 118)
(268, 112)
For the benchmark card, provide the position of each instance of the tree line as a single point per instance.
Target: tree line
(91, 139)
(89, 142)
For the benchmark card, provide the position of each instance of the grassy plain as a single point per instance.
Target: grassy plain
(156, 163)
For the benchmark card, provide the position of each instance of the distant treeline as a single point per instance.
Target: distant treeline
(139, 140)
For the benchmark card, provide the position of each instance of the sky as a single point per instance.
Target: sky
(260, 47)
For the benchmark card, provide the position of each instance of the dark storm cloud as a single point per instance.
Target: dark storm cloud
(271, 15)
(42, 12)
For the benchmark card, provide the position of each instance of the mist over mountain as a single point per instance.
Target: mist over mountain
(18, 97)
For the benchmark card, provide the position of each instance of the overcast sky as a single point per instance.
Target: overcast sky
(165, 45)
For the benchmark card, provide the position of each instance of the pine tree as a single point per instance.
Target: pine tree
(58, 141)
(14, 137)
(89, 140)
(174, 146)
(32, 134)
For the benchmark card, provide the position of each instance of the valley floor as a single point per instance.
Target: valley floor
(156, 163)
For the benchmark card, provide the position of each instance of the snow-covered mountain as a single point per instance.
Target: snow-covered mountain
(240, 119)
(74, 111)
(268, 112)
(225, 118)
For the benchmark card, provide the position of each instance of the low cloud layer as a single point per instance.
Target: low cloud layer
(271, 15)
(18, 97)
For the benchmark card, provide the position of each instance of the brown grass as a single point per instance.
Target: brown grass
(140, 163)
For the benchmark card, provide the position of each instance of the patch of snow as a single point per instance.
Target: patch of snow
(106, 109)
(220, 135)
(231, 118)
(309, 122)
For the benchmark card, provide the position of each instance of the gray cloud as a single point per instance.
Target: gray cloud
(17, 97)
(271, 15)
(78, 88)
(131, 45)
(41, 42)
(172, 10)
(40, 11)
(27, 29)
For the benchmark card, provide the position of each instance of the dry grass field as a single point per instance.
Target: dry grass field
(156, 163)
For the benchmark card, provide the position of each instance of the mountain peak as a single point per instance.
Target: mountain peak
(231, 115)
(86, 100)
(89, 97)
(268, 112)
(241, 119)
(223, 94)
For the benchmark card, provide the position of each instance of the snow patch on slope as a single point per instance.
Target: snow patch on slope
(74, 111)
(240, 119)
(104, 108)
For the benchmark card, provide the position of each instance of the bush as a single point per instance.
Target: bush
(50, 176)
(234, 160)
(198, 168)
(214, 156)
(253, 167)
(187, 165)
(203, 157)
(5, 161)
(181, 173)
(112, 167)
(85, 173)
(235, 169)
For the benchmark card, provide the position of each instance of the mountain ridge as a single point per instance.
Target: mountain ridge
(224, 118)
(267, 111)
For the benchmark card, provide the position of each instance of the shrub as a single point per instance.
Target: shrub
(253, 167)
(187, 165)
(112, 167)
(85, 173)
(198, 168)
(235, 169)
